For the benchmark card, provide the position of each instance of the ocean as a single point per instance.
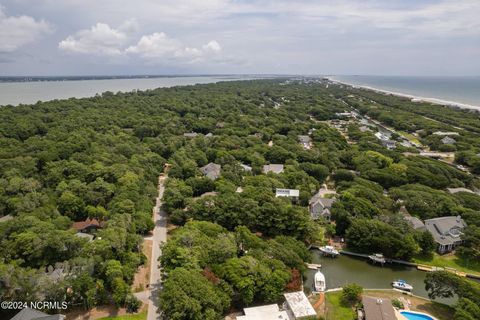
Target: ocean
(452, 90)
(15, 93)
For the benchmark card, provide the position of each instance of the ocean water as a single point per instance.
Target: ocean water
(464, 90)
(15, 93)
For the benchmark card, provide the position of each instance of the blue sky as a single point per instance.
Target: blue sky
(395, 37)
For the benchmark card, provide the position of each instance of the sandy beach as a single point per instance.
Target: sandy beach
(413, 98)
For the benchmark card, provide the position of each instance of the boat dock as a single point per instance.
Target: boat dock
(313, 266)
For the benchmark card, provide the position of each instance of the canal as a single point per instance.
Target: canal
(346, 269)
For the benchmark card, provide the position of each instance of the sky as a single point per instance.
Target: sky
(119, 37)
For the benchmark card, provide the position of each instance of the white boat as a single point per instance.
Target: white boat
(319, 282)
(329, 251)
(402, 285)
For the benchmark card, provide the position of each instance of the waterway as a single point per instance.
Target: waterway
(346, 269)
(15, 93)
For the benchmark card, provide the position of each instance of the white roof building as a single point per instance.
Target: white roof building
(275, 168)
(299, 305)
(292, 193)
(268, 312)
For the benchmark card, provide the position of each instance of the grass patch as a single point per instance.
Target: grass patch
(450, 261)
(410, 137)
(336, 310)
(139, 316)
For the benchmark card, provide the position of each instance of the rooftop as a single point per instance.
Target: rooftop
(299, 305)
(268, 312)
(211, 170)
(455, 190)
(80, 225)
(445, 230)
(287, 192)
(275, 168)
(378, 309)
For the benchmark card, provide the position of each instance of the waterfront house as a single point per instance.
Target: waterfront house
(446, 232)
(87, 226)
(298, 305)
(448, 140)
(320, 206)
(377, 309)
(211, 170)
(290, 193)
(275, 168)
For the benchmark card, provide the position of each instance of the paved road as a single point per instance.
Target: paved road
(159, 236)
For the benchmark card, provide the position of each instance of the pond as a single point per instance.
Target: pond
(346, 269)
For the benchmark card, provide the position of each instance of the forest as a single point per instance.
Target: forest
(64, 161)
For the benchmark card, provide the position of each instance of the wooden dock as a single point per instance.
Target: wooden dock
(313, 266)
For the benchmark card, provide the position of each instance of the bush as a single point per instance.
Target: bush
(351, 294)
(397, 304)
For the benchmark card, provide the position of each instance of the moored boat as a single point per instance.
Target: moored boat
(329, 251)
(377, 257)
(319, 282)
(402, 285)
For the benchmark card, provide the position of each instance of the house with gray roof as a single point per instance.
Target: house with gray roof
(32, 314)
(320, 206)
(415, 223)
(378, 308)
(448, 140)
(446, 232)
(245, 167)
(211, 170)
(275, 168)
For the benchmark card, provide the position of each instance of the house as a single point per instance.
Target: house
(275, 168)
(290, 193)
(414, 222)
(209, 135)
(297, 303)
(364, 129)
(446, 232)
(87, 226)
(211, 170)
(378, 309)
(448, 140)
(32, 314)
(268, 312)
(320, 206)
(305, 141)
(6, 218)
(190, 134)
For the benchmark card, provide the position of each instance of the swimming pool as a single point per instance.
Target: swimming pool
(416, 316)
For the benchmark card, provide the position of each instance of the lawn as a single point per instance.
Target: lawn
(410, 137)
(451, 261)
(335, 309)
(140, 316)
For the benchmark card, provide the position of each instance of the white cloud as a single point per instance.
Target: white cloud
(20, 30)
(100, 39)
(159, 45)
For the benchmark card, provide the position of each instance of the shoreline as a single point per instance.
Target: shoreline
(413, 98)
